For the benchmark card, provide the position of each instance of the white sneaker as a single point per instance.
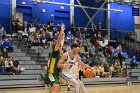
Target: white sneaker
(22, 69)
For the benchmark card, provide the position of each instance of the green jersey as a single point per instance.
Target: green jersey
(54, 58)
(52, 73)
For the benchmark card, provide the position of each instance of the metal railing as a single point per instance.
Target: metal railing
(40, 52)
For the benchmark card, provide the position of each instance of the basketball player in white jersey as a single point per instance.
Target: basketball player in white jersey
(66, 61)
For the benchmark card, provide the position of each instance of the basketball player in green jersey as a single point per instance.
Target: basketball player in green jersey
(53, 72)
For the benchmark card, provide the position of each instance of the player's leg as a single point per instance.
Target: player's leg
(55, 84)
(76, 85)
(50, 90)
(82, 87)
(55, 88)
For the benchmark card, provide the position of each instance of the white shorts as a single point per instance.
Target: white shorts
(67, 76)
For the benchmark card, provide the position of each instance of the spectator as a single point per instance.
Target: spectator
(120, 57)
(83, 58)
(4, 53)
(107, 70)
(91, 50)
(128, 74)
(133, 63)
(17, 68)
(32, 28)
(5, 44)
(69, 35)
(11, 45)
(9, 66)
(2, 66)
(55, 37)
(3, 33)
(43, 39)
(95, 60)
(112, 70)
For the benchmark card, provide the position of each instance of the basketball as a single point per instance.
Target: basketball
(89, 73)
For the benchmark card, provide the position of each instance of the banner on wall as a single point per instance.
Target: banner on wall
(135, 11)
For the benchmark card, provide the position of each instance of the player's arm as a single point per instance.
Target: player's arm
(60, 37)
(83, 64)
(61, 61)
(48, 63)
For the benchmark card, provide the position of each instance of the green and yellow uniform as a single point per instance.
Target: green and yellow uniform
(52, 76)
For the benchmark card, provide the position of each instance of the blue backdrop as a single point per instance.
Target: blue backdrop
(120, 21)
(5, 9)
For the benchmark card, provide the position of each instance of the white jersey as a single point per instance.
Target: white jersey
(70, 62)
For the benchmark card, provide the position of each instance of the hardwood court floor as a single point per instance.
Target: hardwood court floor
(91, 89)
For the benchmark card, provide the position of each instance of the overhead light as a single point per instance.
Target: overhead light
(52, 15)
(62, 7)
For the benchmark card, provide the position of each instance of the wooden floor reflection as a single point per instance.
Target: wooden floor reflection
(91, 89)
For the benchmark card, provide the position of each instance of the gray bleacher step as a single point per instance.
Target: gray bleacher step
(31, 72)
(40, 58)
(19, 77)
(27, 62)
(45, 55)
(135, 70)
(17, 50)
(103, 79)
(23, 58)
(127, 59)
(42, 62)
(128, 66)
(26, 51)
(137, 74)
(48, 50)
(30, 66)
(21, 82)
(17, 54)
(36, 54)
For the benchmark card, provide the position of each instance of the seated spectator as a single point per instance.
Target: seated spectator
(133, 63)
(32, 37)
(118, 70)
(11, 45)
(88, 59)
(48, 36)
(5, 44)
(9, 66)
(2, 66)
(2, 33)
(98, 71)
(83, 58)
(69, 35)
(112, 70)
(91, 50)
(55, 37)
(32, 28)
(82, 49)
(20, 28)
(4, 53)
(71, 41)
(43, 39)
(25, 30)
(107, 70)
(102, 71)
(95, 60)
(16, 65)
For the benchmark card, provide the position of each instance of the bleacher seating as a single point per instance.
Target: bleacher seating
(31, 76)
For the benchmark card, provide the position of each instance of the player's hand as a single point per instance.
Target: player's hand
(62, 27)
